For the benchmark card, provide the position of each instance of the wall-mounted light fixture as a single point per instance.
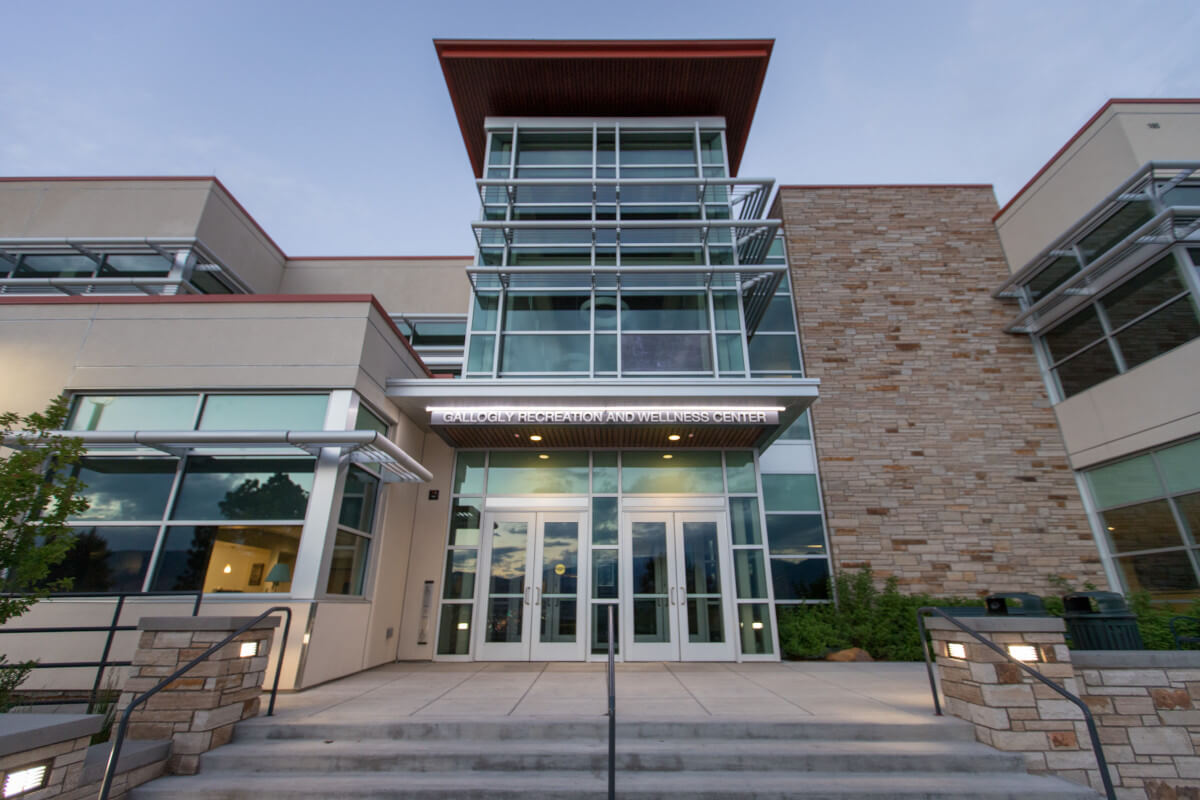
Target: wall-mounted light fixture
(956, 649)
(26, 779)
(1024, 652)
(248, 650)
(462, 626)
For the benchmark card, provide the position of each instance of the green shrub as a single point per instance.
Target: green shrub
(884, 623)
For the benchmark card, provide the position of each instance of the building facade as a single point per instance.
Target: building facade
(606, 407)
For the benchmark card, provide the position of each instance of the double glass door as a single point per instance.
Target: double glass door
(531, 606)
(676, 587)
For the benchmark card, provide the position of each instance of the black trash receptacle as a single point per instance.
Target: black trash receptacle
(1108, 626)
(1027, 605)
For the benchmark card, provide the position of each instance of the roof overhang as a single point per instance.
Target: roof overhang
(694, 78)
(362, 447)
(605, 413)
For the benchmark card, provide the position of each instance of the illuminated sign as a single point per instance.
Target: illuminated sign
(627, 415)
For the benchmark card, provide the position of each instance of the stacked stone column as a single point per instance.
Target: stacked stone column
(198, 710)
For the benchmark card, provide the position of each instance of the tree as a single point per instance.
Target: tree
(38, 495)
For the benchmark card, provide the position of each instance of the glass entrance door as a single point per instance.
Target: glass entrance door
(531, 603)
(678, 600)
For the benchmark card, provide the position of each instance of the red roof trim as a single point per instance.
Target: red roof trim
(886, 186)
(224, 298)
(1112, 102)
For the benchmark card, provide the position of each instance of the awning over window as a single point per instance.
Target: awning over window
(360, 447)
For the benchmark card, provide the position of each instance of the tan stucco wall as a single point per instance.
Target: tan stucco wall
(1122, 415)
(102, 208)
(427, 554)
(1108, 152)
(412, 285)
(239, 244)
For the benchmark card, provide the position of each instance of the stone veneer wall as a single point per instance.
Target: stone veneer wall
(941, 460)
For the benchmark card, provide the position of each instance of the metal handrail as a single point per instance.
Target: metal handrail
(110, 770)
(1093, 732)
(1182, 639)
(612, 711)
(112, 629)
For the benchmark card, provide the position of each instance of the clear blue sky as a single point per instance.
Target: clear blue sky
(331, 123)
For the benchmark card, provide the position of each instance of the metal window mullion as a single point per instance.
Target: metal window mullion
(164, 521)
(1106, 326)
(745, 340)
(1191, 274)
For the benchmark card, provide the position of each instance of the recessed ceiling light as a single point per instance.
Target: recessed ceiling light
(537, 437)
(1111, 528)
(674, 437)
(543, 456)
(667, 455)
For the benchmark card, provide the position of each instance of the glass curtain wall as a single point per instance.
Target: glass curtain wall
(607, 476)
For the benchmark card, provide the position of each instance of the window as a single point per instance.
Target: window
(1144, 317)
(356, 524)
(1149, 511)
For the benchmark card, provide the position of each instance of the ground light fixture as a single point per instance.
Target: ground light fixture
(1024, 652)
(956, 649)
(26, 779)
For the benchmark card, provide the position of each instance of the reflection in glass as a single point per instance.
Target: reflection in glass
(1163, 330)
(799, 429)
(739, 472)
(790, 493)
(486, 312)
(800, 578)
(228, 558)
(244, 488)
(134, 413)
(650, 620)
(460, 575)
(744, 524)
(705, 623)
(1158, 573)
(687, 472)
(509, 543)
(774, 352)
(535, 353)
(1143, 293)
(348, 567)
(750, 573)
(649, 559)
(701, 558)
(512, 472)
(1146, 526)
(604, 574)
(107, 559)
(1076, 332)
(604, 473)
(454, 630)
(666, 352)
(754, 622)
(504, 619)
(600, 629)
(125, 488)
(1124, 482)
(729, 353)
(251, 412)
(558, 620)
(479, 358)
(358, 500)
(560, 558)
(464, 522)
(1181, 466)
(468, 473)
(1092, 366)
(604, 520)
(664, 312)
(798, 534)
(547, 312)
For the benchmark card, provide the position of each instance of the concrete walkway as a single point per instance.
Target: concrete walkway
(787, 691)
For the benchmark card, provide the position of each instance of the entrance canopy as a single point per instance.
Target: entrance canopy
(605, 413)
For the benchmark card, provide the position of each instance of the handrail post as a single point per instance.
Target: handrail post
(937, 705)
(112, 631)
(612, 711)
(1089, 720)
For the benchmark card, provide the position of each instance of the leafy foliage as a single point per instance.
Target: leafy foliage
(279, 498)
(38, 495)
(10, 678)
(882, 622)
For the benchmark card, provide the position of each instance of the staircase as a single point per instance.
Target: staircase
(535, 759)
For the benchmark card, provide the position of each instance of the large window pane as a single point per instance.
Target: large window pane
(244, 488)
(681, 472)
(567, 353)
(348, 567)
(228, 558)
(666, 352)
(1086, 369)
(798, 429)
(1159, 573)
(604, 473)
(790, 493)
(754, 626)
(107, 559)
(134, 413)
(604, 520)
(1124, 482)
(554, 148)
(604, 574)
(664, 312)
(796, 534)
(778, 316)
(1076, 332)
(1124, 222)
(800, 578)
(744, 523)
(547, 312)
(460, 575)
(739, 472)
(774, 353)
(454, 630)
(1189, 509)
(125, 488)
(358, 500)
(1146, 526)
(1181, 466)
(1143, 292)
(51, 266)
(479, 358)
(486, 311)
(1162, 331)
(367, 420)
(140, 265)
(658, 148)
(250, 412)
(531, 473)
(1053, 276)
(750, 573)
(464, 521)
(729, 353)
(468, 473)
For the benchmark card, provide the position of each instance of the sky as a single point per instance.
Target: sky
(330, 122)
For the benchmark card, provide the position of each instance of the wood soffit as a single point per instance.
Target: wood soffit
(600, 436)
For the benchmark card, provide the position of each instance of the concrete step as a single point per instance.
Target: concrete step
(711, 785)
(506, 730)
(657, 755)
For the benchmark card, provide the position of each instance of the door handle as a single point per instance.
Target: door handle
(527, 591)
(537, 595)
(672, 595)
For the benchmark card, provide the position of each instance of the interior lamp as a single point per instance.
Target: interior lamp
(280, 573)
